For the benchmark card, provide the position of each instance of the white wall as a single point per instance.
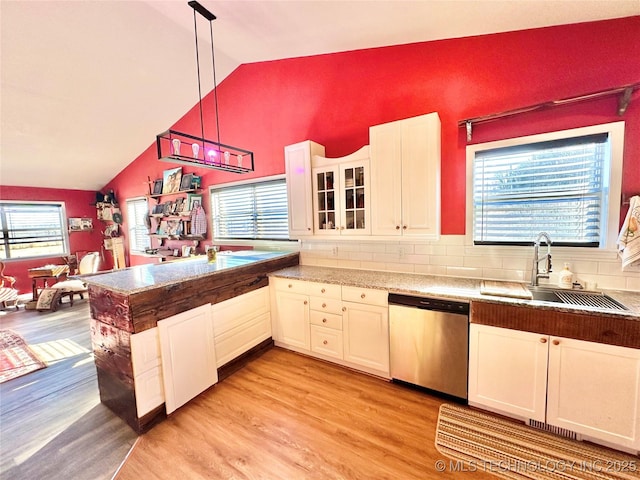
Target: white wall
(451, 256)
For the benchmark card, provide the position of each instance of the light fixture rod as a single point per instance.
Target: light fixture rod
(201, 10)
(210, 17)
(195, 29)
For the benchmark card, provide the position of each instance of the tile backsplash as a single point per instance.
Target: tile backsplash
(452, 257)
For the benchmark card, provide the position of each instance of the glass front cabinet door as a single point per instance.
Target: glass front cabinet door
(341, 199)
(325, 199)
(354, 197)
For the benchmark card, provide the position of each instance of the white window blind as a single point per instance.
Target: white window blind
(255, 211)
(32, 230)
(559, 186)
(137, 211)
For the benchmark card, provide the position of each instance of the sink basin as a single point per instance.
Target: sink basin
(545, 294)
(571, 297)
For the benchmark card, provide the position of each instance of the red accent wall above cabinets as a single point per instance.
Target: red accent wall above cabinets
(333, 99)
(78, 203)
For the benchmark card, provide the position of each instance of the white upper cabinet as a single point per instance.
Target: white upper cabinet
(297, 160)
(405, 177)
(341, 194)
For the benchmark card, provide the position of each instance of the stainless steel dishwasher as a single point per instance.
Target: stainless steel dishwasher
(429, 343)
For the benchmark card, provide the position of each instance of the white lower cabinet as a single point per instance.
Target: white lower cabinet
(594, 390)
(508, 371)
(291, 328)
(347, 325)
(589, 388)
(366, 336)
(240, 324)
(147, 370)
(188, 355)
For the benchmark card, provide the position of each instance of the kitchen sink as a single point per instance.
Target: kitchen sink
(571, 297)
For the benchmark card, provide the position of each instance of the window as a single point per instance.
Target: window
(137, 213)
(562, 186)
(33, 230)
(256, 211)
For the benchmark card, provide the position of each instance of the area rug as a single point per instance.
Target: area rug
(479, 441)
(16, 358)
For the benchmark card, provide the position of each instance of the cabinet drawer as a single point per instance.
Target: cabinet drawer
(231, 314)
(330, 305)
(326, 341)
(242, 338)
(365, 295)
(289, 285)
(329, 320)
(325, 290)
(145, 350)
(149, 391)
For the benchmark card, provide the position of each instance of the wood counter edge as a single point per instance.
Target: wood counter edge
(590, 327)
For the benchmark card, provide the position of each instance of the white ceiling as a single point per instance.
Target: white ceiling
(86, 85)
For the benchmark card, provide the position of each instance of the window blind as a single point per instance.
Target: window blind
(559, 187)
(32, 230)
(252, 211)
(137, 210)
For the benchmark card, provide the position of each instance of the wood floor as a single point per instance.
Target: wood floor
(287, 416)
(283, 416)
(52, 424)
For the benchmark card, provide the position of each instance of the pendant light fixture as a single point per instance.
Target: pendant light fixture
(194, 150)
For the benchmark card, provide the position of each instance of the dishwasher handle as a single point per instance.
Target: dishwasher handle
(428, 303)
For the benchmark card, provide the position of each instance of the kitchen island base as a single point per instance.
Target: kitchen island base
(130, 379)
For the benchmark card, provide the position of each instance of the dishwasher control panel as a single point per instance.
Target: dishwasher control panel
(428, 303)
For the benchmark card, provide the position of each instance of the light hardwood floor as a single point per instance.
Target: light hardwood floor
(287, 416)
(52, 424)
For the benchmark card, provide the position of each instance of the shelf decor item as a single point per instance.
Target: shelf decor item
(187, 180)
(171, 180)
(215, 155)
(157, 187)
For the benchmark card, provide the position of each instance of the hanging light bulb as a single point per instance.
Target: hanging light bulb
(176, 146)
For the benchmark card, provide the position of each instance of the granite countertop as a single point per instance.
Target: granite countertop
(148, 277)
(445, 287)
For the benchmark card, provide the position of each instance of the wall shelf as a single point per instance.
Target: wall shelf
(158, 195)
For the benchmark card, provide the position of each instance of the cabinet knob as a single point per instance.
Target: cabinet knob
(324, 305)
(308, 228)
(290, 286)
(324, 320)
(404, 227)
(362, 296)
(341, 228)
(305, 302)
(397, 227)
(324, 342)
(322, 291)
(543, 340)
(556, 342)
(344, 309)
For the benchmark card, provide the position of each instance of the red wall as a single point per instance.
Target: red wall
(333, 99)
(78, 203)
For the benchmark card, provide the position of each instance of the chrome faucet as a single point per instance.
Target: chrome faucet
(536, 273)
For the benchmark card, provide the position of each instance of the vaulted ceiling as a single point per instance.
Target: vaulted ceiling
(86, 85)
